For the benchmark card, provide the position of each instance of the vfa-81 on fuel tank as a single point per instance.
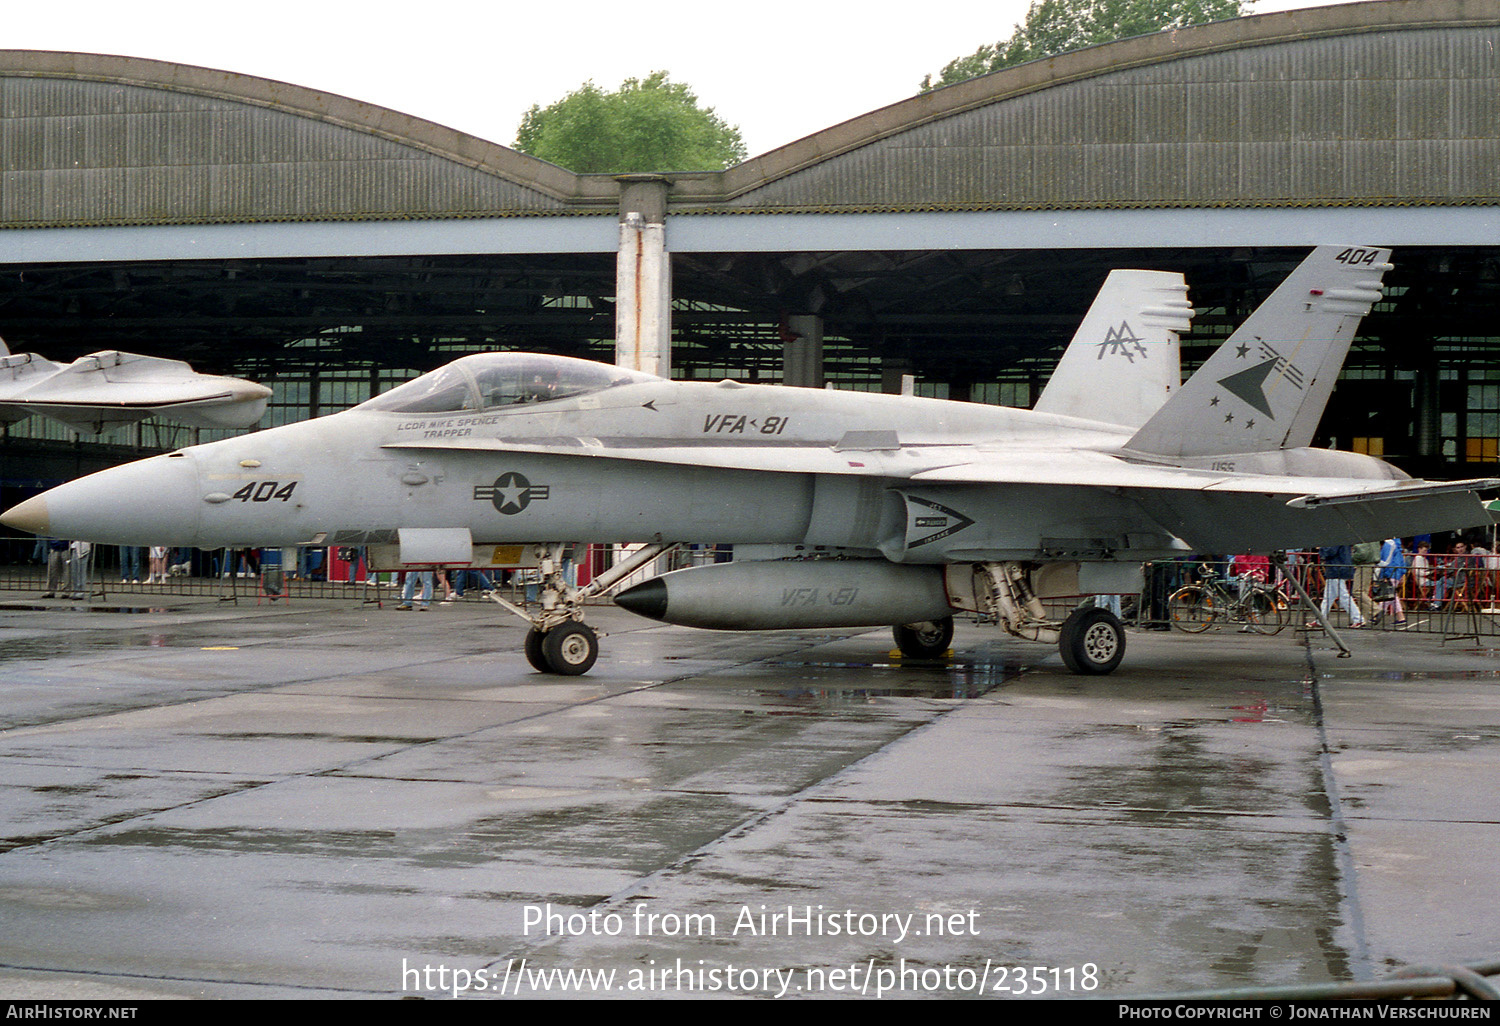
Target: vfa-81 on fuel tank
(933, 507)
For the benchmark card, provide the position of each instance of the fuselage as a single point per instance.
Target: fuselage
(358, 476)
(626, 460)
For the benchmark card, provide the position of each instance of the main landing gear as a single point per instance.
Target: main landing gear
(559, 641)
(1091, 640)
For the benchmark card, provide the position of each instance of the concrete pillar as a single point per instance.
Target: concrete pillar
(1428, 389)
(802, 352)
(643, 277)
(892, 370)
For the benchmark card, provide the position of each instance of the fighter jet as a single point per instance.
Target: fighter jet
(883, 510)
(106, 390)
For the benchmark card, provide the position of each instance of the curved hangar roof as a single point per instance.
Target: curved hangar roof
(100, 140)
(1389, 102)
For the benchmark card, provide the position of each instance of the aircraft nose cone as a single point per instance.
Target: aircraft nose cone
(30, 515)
(151, 502)
(649, 599)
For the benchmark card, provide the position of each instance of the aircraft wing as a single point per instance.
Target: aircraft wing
(959, 464)
(1226, 512)
(1103, 470)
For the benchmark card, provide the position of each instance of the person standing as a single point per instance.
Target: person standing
(1366, 557)
(130, 564)
(409, 592)
(157, 559)
(57, 563)
(78, 569)
(351, 556)
(1338, 571)
(1388, 575)
(1420, 568)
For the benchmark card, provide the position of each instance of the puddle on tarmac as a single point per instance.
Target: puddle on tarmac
(23, 608)
(94, 643)
(830, 680)
(1436, 675)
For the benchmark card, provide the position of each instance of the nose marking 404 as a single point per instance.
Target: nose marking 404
(265, 491)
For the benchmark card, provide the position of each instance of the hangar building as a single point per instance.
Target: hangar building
(331, 248)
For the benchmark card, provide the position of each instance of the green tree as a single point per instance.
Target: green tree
(1057, 26)
(649, 124)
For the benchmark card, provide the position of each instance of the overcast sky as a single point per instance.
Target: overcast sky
(778, 69)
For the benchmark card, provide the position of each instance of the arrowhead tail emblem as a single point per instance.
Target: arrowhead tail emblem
(1249, 385)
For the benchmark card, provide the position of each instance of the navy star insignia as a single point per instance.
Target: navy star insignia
(511, 493)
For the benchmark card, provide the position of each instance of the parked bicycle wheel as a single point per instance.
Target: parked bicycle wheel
(1264, 612)
(1192, 608)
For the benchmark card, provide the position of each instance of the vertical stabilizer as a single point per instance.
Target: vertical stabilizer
(1124, 359)
(1266, 387)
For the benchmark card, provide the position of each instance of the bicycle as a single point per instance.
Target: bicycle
(1195, 607)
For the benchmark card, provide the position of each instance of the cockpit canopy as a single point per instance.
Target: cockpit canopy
(485, 381)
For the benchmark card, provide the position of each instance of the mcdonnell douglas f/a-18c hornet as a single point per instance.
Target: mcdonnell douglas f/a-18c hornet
(106, 390)
(919, 508)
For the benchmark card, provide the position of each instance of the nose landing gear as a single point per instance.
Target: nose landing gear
(559, 641)
(568, 650)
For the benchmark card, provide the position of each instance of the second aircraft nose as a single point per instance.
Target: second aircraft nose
(154, 501)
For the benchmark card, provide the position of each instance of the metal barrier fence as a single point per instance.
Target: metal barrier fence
(1456, 596)
(102, 571)
(104, 583)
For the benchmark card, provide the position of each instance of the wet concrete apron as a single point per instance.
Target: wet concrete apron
(237, 801)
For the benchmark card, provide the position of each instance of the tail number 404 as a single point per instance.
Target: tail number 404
(265, 491)
(1358, 256)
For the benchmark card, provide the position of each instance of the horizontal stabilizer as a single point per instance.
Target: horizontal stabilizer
(1404, 492)
(1247, 522)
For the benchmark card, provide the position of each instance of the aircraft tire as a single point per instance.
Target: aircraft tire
(1092, 641)
(570, 649)
(534, 654)
(928, 640)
